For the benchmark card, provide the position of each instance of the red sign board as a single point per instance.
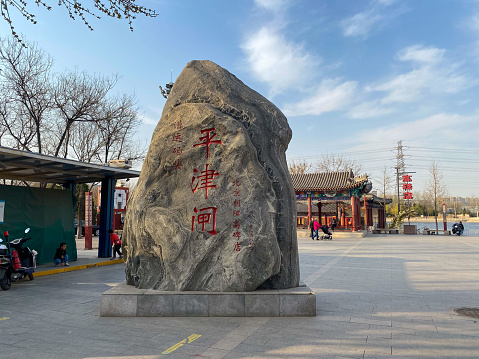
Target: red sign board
(407, 187)
(88, 209)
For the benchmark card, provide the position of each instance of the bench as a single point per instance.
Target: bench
(445, 232)
(385, 231)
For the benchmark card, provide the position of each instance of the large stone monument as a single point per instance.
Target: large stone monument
(214, 209)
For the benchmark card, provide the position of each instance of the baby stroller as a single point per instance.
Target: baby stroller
(327, 234)
(456, 229)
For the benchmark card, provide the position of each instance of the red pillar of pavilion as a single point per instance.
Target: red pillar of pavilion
(309, 210)
(366, 213)
(319, 213)
(343, 215)
(354, 207)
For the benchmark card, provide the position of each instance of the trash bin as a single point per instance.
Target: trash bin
(410, 229)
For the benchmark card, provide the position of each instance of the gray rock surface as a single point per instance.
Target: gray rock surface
(214, 208)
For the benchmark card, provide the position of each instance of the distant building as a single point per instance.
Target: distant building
(340, 196)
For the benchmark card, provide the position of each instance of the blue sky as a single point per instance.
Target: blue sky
(353, 77)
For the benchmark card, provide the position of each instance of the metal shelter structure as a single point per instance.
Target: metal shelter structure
(34, 167)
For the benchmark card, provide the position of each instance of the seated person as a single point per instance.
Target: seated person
(61, 256)
(333, 224)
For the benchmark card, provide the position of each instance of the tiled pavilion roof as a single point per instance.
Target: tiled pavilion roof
(327, 181)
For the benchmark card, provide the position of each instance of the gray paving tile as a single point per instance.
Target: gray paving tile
(385, 295)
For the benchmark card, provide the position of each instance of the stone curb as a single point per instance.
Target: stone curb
(70, 269)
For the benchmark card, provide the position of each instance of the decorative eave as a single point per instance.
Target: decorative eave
(377, 199)
(329, 181)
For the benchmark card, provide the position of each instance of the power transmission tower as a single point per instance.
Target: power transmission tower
(399, 170)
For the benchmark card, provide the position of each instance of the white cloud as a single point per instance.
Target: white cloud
(418, 53)
(147, 120)
(280, 63)
(432, 75)
(369, 110)
(361, 24)
(272, 5)
(330, 96)
(432, 127)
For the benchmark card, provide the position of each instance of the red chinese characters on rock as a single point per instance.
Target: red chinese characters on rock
(203, 180)
(176, 139)
(236, 213)
(208, 140)
(251, 218)
(205, 217)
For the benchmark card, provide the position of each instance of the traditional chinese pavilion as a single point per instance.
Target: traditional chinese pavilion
(340, 196)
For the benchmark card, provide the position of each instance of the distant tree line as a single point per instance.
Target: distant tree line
(69, 114)
(326, 163)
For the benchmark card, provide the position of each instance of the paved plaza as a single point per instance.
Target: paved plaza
(382, 296)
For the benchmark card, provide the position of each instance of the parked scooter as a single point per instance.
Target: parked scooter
(16, 262)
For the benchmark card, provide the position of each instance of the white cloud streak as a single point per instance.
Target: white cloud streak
(330, 96)
(272, 5)
(432, 127)
(369, 110)
(362, 24)
(432, 75)
(280, 63)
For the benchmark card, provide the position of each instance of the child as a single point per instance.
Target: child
(116, 242)
(61, 256)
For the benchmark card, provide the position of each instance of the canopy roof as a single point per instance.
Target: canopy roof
(29, 166)
(327, 181)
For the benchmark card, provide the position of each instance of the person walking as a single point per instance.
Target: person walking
(316, 228)
(116, 242)
(311, 226)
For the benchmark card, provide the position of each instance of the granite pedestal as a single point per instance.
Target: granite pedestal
(127, 301)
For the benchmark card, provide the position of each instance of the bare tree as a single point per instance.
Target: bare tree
(118, 9)
(385, 182)
(337, 163)
(78, 97)
(70, 114)
(116, 125)
(435, 187)
(300, 167)
(25, 74)
(85, 142)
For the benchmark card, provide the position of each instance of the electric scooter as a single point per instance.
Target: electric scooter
(16, 262)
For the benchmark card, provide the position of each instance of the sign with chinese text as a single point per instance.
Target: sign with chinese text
(88, 209)
(407, 187)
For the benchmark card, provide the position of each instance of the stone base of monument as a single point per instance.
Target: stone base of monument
(127, 301)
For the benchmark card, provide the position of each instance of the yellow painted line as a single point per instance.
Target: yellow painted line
(4, 318)
(190, 339)
(70, 269)
(193, 337)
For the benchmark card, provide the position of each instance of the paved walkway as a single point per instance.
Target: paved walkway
(85, 259)
(378, 297)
